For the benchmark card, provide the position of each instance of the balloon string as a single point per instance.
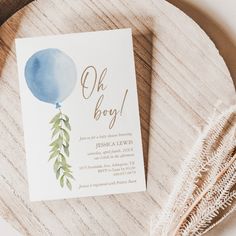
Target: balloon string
(58, 105)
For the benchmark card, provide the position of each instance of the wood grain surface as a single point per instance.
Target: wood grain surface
(181, 77)
(9, 7)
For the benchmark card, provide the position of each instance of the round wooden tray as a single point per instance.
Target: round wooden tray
(9, 7)
(181, 77)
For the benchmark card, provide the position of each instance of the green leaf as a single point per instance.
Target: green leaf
(59, 141)
(58, 173)
(66, 166)
(52, 144)
(56, 124)
(54, 154)
(54, 148)
(66, 144)
(56, 130)
(66, 150)
(69, 175)
(67, 170)
(68, 184)
(65, 118)
(63, 159)
(57, 116)
(56, 142)
(62, 181)
(66, 135)
(67, 124)
(56, 165)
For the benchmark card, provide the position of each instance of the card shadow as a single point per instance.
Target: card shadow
(143, 64)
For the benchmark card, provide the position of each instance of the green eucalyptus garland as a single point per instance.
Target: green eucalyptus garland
(59, 152)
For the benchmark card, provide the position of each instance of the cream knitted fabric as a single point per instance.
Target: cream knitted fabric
(205, 190)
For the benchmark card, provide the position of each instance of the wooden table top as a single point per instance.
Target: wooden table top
(181, 77)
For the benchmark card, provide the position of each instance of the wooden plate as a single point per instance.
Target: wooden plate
(179, 72)
(9, 7)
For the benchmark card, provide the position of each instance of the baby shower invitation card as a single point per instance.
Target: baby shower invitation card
(80, 115)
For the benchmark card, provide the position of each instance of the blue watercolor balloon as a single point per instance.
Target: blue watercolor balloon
(50, 75)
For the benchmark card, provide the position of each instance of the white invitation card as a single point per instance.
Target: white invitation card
(80, 114)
